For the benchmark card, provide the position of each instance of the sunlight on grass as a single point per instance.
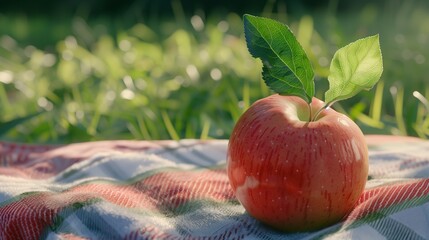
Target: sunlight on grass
(191, 77)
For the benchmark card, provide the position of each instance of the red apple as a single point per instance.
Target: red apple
(292, 174)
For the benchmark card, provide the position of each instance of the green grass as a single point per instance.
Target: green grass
(77, 80)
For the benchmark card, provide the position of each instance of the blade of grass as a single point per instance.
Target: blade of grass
(422, 99)
(398, 102)
(268, 8)
(233, 104)
(143, 129)
(9, 125)
(92, 128)
(189, 130)
(178, 11)
(234, 111)
(265, 91)
(421, 126)
(305, 32)
(169, 126)
(374, 118)
(376, 104)
(134, 131)
(365, 119)
(4, 100)
(246, 96)
(206, 128)
(152, 124)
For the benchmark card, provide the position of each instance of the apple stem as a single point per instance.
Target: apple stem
(317, 113)
(327, 105)
(309, 109)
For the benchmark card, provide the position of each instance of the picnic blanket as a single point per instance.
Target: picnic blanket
(180, 190)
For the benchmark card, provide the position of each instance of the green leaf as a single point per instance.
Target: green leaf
(355, 67)
(286, 68)
(9, 125)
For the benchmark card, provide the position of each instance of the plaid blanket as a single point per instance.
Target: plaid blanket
(179, 190)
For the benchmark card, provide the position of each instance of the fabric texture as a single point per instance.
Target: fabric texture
(180, 190)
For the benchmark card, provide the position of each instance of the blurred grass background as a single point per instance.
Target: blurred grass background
(75, 71)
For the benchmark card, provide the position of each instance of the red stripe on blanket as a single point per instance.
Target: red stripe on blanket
(376, 199)
(41, 162)
(173, 189)
(14, 153)
(26, 218)
(167, 191)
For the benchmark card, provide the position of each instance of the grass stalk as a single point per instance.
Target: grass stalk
(169, 126)
(398, 99)
(205, 130)
(377, 102)
(4, 101)
(143, 129)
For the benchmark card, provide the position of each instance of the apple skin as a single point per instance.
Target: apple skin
(295, 175)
